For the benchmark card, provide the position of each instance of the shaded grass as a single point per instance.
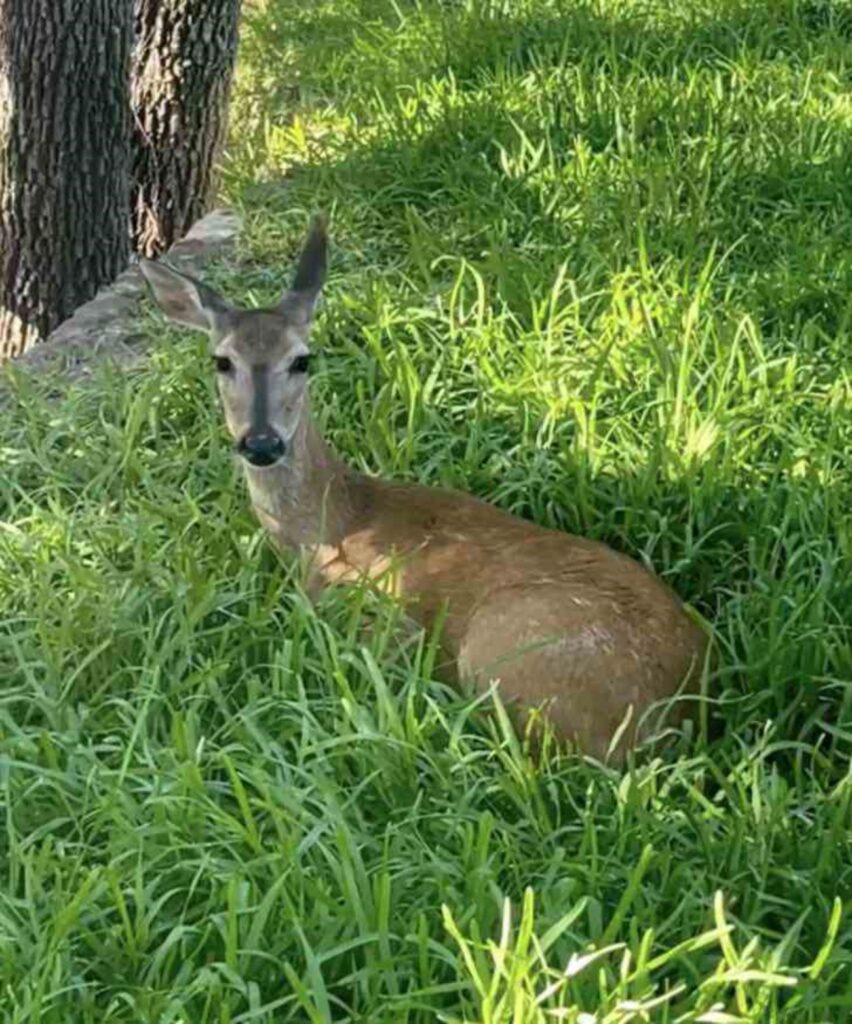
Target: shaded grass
(592, 262)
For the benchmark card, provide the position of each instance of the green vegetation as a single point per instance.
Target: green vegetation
(593, 261)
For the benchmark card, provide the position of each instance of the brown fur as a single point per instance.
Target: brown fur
(555, 619)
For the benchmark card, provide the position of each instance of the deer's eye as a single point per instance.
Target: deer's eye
(223, 364)
(301, 364)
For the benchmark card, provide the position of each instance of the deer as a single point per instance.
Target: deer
(571, 632)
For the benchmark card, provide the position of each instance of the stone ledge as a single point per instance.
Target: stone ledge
(104, 328)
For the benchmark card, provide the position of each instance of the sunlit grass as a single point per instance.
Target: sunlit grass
(593, 262)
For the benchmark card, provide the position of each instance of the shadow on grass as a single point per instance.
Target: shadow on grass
(673, 174)
(472, 42)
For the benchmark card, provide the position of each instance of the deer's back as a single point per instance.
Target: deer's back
(455, 548)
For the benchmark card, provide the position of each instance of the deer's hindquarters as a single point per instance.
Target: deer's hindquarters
(587, 660)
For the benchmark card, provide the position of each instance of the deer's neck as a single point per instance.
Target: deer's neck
(311, 498)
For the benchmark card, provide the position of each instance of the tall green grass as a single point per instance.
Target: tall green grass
(593, 261)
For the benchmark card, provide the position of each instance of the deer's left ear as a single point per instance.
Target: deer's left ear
(299, 302)
(183, 299)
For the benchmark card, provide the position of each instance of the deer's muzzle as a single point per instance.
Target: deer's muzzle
(262, 449)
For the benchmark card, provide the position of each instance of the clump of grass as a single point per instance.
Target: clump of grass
(591, 262)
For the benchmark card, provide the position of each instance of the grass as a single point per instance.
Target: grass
(593, 261)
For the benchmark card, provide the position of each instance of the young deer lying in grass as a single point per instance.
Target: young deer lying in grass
(556, 619)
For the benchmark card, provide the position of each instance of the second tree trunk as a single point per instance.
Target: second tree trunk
(183, 67)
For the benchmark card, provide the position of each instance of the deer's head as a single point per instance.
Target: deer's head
(260, 356)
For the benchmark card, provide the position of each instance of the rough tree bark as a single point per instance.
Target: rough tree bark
(64, 156)
(182, 70)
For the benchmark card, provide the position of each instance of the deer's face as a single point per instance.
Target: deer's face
(261, 363)
(260, 356)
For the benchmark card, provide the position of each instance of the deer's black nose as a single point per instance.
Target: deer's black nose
(262, 449)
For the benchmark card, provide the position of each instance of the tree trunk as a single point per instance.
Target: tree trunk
(183, 66)
(64, 159)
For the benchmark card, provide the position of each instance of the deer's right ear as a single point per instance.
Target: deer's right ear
(183, 299)
(299, 301)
